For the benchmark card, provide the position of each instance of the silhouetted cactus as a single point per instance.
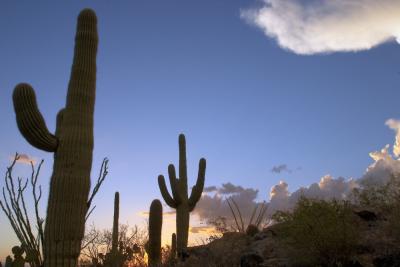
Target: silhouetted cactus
(173, 246)
(114, 246)
(72, 145)
(8, 262)
(179, 199)
(155, 226)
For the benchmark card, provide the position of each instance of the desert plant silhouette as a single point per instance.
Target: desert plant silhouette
(155, 226)
(114, 246)
(72, 145)
(179, 199)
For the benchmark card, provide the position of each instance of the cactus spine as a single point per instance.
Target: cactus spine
(114, 246)
(72, 145)
(179, 199)
(155, 226)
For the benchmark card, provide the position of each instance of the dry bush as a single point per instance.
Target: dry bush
(319, 233)
(97, 244)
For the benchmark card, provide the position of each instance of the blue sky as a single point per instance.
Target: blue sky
(199, 68)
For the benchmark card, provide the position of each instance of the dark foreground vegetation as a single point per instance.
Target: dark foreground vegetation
(363, 230)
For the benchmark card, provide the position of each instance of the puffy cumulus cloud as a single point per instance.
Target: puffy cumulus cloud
(24, 159)
(279, 198)
(395, 125)
(212, 206)
(384, 167)
(330, 188)
(327, 188)
(324, 26)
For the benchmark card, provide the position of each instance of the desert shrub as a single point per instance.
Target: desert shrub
(381, 198)
(319, 233)
(384, 200)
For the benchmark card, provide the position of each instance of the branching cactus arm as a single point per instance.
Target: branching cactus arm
(30, 121)
(165, 194)
(197, 190)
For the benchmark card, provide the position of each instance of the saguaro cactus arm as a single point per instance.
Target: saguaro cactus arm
(30, 121)
(164, 192)
(174, 182)
(60, 118)
(197, 190)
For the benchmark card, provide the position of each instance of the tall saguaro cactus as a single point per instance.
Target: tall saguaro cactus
(72, 145)
(155, 227)
(180, 199)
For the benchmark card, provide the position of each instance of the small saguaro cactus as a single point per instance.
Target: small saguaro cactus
(72, 145)
(173, 246)
(179, 199)
(114, 245)
(155, 226)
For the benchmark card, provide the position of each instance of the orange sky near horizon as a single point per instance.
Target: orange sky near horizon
(168, 227)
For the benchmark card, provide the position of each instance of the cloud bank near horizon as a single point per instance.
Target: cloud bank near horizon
(378, 173)
(385, 164)
(313, 27)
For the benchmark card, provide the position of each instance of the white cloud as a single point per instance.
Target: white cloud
(212, 206)
(327, 188)
(324, 26)
(395, 125)
(279, 198)
(385, 164)
(384, 167)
